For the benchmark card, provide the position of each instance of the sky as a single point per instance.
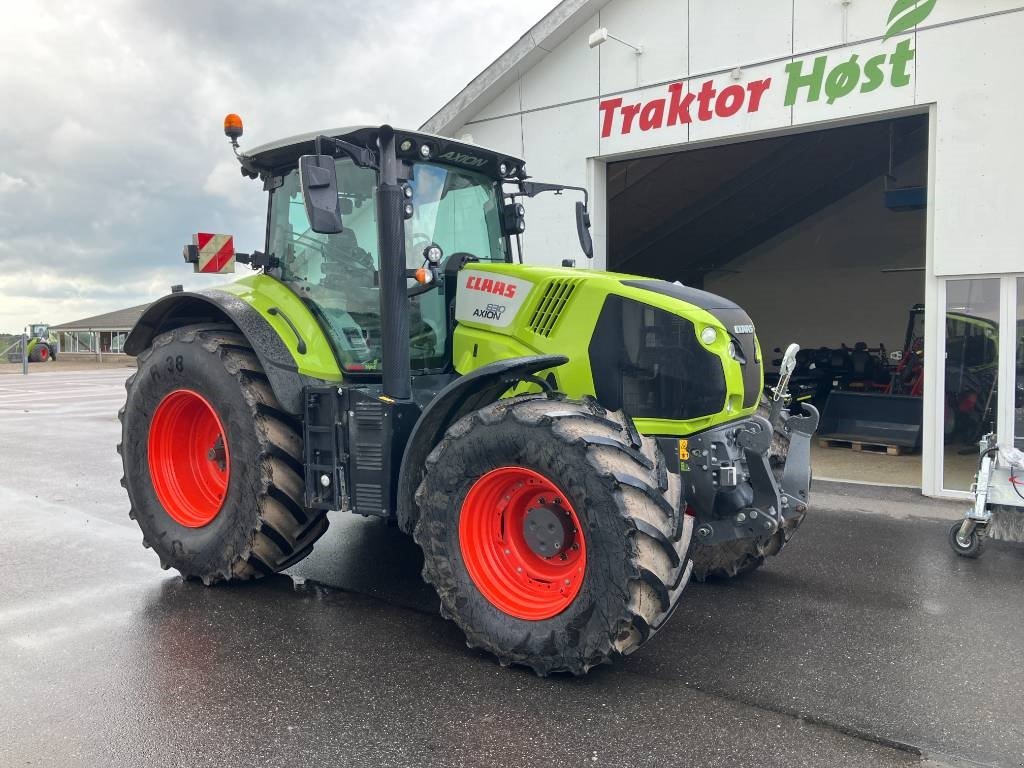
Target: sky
(112, 151)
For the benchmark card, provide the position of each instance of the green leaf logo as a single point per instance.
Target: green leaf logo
(907, 14)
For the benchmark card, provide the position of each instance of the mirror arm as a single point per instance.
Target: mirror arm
(534, 188)
(258, 260)
(361, 156)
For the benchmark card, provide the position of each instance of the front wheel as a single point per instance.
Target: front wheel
(552, 533)
(969, 547)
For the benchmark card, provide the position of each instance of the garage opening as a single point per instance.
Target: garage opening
(820, 236)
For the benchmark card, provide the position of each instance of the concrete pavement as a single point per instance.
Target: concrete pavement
(867, 642)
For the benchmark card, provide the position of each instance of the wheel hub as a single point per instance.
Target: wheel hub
(522, 543)
(189, 459)
(547, 530)
(217, 454)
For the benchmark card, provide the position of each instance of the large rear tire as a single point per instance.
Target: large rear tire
(621, 562)
(737, 558)
(213, 465)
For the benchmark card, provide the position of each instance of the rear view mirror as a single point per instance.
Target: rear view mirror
(583, 230)
(319, 182)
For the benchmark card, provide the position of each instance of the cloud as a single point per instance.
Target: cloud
(10, 183)
(111, 152)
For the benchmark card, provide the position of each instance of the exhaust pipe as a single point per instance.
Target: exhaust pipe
(394, 302)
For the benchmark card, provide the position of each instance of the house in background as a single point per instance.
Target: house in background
(97, 336)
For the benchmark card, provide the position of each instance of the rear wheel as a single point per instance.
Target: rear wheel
(552, 533)
(213, 466)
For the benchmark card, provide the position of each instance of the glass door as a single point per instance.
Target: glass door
(970, 391)
(1018, 378)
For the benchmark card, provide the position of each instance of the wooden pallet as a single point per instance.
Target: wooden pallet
(860, 446)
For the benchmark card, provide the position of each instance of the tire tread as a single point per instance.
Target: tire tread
(282, 531)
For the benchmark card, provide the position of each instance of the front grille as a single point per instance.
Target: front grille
(649, 363)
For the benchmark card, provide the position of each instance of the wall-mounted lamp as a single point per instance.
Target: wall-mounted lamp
(600, 37)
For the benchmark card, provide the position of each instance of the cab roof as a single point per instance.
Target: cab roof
(283, 154)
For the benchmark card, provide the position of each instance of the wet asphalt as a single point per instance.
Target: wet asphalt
(866, 643)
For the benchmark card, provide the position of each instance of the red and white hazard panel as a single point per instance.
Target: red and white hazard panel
(216, 253)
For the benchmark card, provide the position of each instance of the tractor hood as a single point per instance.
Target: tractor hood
(634, 343)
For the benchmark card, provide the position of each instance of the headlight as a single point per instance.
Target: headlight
(709, 336)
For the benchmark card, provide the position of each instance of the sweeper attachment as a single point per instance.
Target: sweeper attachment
(998, 510)
(554, 439)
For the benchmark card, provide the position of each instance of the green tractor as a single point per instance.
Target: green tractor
(567, 446)
(42, 346)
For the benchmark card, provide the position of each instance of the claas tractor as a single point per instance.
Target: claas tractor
(567, 446)
(41, 347)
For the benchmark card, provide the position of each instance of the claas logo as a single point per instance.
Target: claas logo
(487, 285)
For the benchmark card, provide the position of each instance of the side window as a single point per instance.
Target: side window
(336, 274)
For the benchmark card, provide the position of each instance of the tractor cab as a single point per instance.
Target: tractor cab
(452, 210)
(326, 231)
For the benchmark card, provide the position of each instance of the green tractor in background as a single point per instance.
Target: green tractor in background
(566, 446)
(42, 346)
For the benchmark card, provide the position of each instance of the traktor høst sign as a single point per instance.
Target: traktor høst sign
(809, 80)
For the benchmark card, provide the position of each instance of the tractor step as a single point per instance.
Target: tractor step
(859, 446)
(354, 441)
(323, 445)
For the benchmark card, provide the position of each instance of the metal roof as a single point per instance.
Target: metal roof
(564, 19)
(119, 320)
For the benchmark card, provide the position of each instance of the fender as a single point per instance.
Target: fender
(464, 395)
(180, 309)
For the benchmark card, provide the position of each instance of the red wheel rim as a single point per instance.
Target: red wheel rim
(513, 577)
(44, 354)
(189, 461)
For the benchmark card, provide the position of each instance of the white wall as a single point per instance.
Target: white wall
(827, 280)
(964, 62)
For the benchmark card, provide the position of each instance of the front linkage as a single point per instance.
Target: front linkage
(747, 483)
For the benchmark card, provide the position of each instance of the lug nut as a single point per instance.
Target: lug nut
(741, 517)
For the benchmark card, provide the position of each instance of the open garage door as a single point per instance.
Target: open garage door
(820, 236)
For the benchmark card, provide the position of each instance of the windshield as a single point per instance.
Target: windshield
(455, 209)
(338, 274)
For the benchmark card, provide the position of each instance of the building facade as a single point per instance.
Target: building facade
(100, 336)
(603, 90)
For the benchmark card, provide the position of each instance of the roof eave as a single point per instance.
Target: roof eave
(562, 21)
